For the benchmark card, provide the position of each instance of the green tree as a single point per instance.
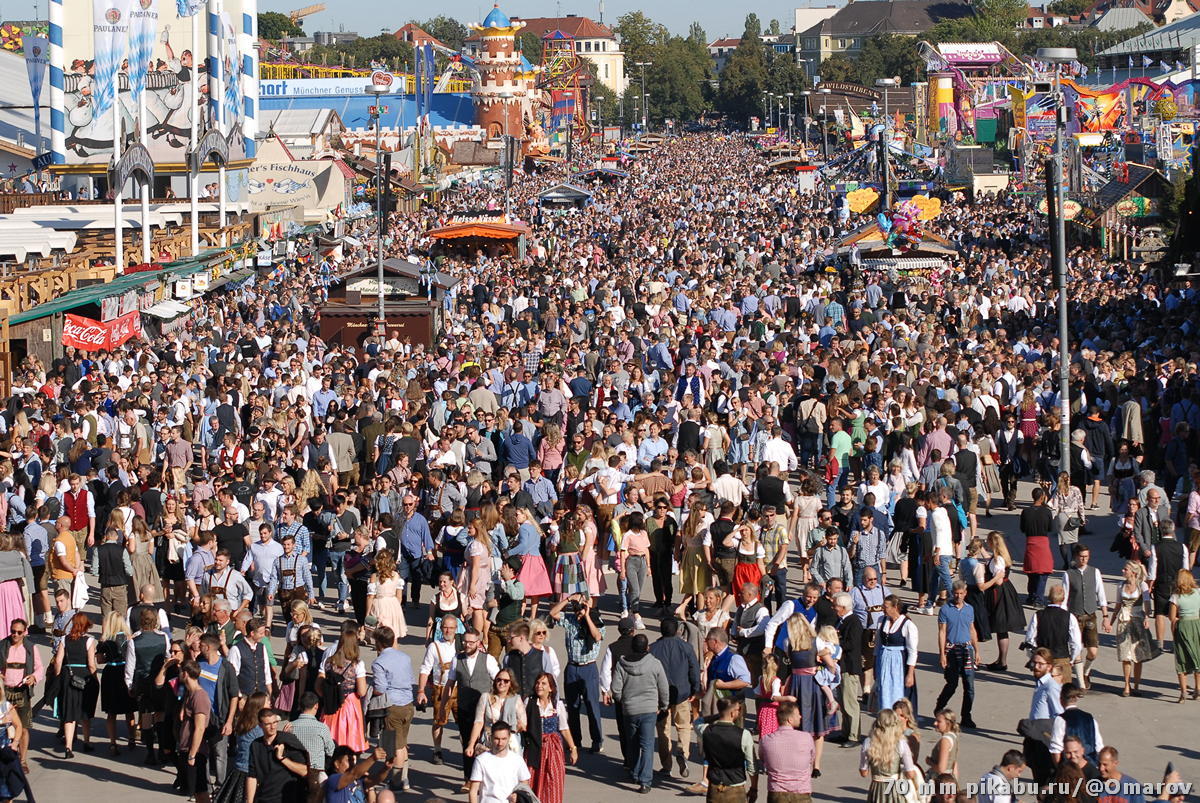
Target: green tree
(784, 75)
(744, 79)
(678, 79)
(639, 35)
(530, 44)
(839, 68)
(697, 36)
(888, 56)
(384, 49)
(273, 26)
(773, 29)
(1069, 7)
(447, 30)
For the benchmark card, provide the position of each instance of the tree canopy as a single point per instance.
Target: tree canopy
(447, 30)
(273, 26)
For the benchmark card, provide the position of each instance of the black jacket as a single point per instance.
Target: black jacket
(681, 665)
(850, 634)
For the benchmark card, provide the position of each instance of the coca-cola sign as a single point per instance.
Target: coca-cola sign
(84, 333)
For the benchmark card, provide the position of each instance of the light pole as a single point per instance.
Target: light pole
(804, 94)
(505, 97)
(1055, 197)
(791, 135)
(766, 114)
(826, 91)
(885, 84)
(644, 65)
(378, 92)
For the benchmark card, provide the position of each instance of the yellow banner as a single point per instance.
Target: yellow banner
(1019, 98)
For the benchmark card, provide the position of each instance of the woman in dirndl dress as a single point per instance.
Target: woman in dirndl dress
(115, 699)
(546, 722)
(528, 548)
(989, 473)
(973, 572)
(75, 666)
(346, 725)
(1005, 613)
(1133, 605)
(568, 567)
(895, 657)
(885, 759)
(810, 698)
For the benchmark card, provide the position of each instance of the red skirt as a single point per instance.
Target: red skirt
(746, 573)
(1038, 559)
(550, 775)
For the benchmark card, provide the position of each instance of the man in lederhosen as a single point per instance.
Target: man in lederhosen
(293, 576)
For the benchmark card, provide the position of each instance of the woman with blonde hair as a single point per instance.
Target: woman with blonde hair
(528, 547)
(943, 758)
(476, 576)
(1005, 613)
(885, 759)
(551, 451)
(385, 594)
(912, 729)
(1185, 629)
(1132, 607)
(141, 554)
(115, 700)
(693, 554)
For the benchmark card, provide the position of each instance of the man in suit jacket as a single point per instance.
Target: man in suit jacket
(1148, 520)
(850, 634)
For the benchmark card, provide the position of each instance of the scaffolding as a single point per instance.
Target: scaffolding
(562, 77)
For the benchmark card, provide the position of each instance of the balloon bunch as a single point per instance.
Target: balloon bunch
(902, 228)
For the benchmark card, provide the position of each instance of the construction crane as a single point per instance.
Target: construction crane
(301, 13)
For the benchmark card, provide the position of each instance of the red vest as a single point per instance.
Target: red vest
(76, 505)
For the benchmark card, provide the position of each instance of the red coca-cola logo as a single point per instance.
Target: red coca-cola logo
(90, 333)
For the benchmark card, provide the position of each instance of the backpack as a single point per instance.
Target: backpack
(332, 695)
(383, 463)
(963, 521)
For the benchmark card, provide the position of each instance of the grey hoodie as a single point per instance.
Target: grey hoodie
(639, 685)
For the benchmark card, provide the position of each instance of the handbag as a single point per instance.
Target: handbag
(1073, 523)
(77, 682)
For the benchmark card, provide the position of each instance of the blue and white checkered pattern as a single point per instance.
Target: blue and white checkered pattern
(58, 98)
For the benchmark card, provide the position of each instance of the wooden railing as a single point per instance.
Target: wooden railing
(11, 201)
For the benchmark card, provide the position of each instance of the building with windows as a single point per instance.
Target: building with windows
(845, 31)
(594, 42)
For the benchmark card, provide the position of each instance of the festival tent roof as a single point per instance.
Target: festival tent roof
(872, 240)
(481, 228)
(561, 193)
(600, 172)
(1141, 179)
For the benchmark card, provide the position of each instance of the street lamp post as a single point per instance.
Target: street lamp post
(505, 97)
(826, 91)
(1055, 198)
(644, 65)
(791, 134)
(378, 91)
(805, 95)
(885, 84)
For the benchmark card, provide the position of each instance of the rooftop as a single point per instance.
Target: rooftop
(871, 17)
(1179, 35)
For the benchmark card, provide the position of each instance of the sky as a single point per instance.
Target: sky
(719, 17)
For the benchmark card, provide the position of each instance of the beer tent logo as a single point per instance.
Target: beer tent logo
(110, 34)
(35, 63)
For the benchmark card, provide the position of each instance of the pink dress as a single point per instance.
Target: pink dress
(768, 709)
(475, 595)
(388, 609)
(12, 603)
(346, 726)
(593, 571)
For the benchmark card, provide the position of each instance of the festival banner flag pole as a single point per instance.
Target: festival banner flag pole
(110, 35)
(143, 25)
(191, 8)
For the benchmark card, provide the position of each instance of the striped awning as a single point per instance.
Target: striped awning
(903, 263)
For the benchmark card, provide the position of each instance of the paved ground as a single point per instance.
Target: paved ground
(1149, 731)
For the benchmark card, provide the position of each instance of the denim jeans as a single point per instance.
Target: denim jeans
(337, 568)
(959, 661)
(831, 491)
(641, 735)
(635, 580)
(320, 565)
(779, 589)
(582, 693)
(810, 448)
(943, 577)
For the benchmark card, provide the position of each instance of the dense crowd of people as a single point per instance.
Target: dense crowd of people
(680, 412)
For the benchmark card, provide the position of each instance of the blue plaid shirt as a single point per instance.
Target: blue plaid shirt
(581, 649)
(299, 532)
